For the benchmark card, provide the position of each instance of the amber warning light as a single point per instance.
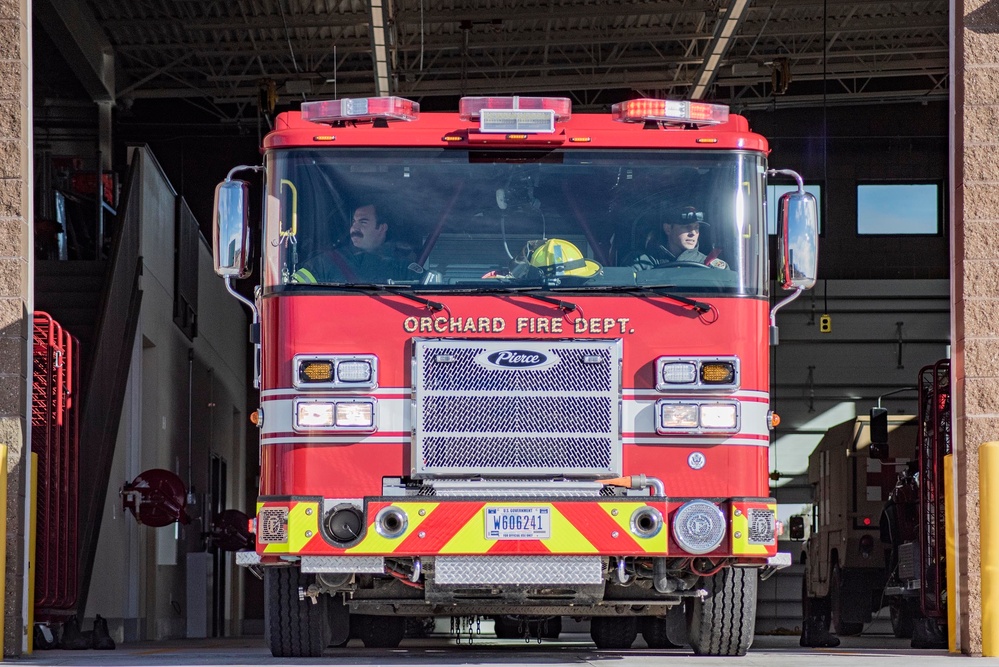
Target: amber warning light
(669, 111)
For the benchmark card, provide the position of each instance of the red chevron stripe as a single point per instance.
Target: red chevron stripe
(596, 526)
(442, 524)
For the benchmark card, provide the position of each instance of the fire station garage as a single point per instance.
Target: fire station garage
(682, 303)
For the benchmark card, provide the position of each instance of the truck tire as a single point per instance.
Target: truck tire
(903, 615)
(379, 631)
(655, 632)
(722, 622)
(838, 597)
(614, 632)
(297, 628)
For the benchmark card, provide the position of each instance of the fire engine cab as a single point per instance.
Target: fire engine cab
(513, 361)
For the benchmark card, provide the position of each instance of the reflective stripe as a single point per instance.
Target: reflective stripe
(303, 276)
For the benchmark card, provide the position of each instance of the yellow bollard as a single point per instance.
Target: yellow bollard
(950, 521)
(988, 490)
(32, 535)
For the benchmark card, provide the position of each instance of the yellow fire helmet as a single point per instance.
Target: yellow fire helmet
(561, 258)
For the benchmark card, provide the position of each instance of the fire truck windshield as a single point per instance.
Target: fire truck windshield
(439, 220)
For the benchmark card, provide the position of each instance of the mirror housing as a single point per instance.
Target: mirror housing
(797, 215)
(230, 231)
(879, 433)
(796, 527)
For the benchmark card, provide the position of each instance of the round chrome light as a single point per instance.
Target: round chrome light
(699, 526)
(391, 522)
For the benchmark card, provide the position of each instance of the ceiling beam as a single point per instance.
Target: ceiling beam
(81, 41)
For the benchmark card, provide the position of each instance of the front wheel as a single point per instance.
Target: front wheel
(379, 631)
(903, 614)
(723, 621)
(840, 600)
(614, 632)
(298, 628)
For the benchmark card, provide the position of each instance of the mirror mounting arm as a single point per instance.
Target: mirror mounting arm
(774, 336)
(243, 167)
(788, 172)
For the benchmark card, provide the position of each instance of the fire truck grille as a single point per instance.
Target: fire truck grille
(511, 414)
(272, 524)
(520, 453)
(516, 408)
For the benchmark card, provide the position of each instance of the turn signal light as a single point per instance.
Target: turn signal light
(717, 373)
(316, 371)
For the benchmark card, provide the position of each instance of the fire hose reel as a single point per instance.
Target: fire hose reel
(156, 498)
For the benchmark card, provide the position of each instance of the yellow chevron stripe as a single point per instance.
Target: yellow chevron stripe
(303, 525)
(657, 543)
(471, 539)
(375, 543)
(740, 534)
(566, 538)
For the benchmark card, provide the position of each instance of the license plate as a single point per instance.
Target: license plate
(518, 523)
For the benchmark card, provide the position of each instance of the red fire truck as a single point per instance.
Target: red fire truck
(491, 384)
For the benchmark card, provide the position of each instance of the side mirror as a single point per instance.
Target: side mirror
(879, 433)
(798, 217)
(230, 231)
(796, 527)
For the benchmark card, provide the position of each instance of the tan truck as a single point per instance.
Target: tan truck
(845, 558)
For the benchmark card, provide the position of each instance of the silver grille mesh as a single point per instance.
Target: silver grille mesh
(543, 414)
(273, 525)
(474, 416)
(761, 526)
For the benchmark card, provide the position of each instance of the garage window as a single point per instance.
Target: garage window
(773, 194)
(897, 209)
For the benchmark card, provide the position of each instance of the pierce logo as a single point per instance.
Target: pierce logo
(513, 360)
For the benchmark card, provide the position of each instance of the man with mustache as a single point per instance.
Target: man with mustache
(368, 258)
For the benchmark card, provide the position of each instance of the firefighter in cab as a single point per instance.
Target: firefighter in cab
(677, 240)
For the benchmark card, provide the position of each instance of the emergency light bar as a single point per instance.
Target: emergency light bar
(361, 109)
(669, 111)
(515, 114)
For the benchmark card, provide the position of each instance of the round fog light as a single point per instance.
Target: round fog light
(699, 526)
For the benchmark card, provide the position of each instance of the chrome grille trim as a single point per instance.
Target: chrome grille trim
(476, 417)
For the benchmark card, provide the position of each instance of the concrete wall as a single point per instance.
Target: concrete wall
(140, 578)
(16, 301)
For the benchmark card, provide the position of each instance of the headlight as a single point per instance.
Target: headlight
(313, 415)
(676, 417)
(699, 526)
(351, 372)
(719, 416)
(679, 415)
(357, 415)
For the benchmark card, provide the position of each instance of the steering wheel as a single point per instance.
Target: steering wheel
(685, 262)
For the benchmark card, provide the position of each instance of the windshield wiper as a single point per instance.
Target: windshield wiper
(401, 290)
(567, 306)
(699, 306)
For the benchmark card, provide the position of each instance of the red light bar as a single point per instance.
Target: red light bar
(469, 108)
(669, 111)
(369, 108)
